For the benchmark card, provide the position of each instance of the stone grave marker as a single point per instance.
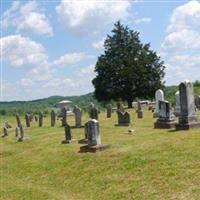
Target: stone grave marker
(53, 118)
(109, 111)
(159, 95)
(78, 117)
(68, 134)
(124, 118)
(27, 119)
(40, 119)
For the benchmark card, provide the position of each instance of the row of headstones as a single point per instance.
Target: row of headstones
(185, 109)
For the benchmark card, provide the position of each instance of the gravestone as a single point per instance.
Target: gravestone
(18, 120)
(159, 96)
(5, 132)
(27, 119)
(139, 110)
(40, 119)
(109, 111)
(197, 102)
(94, 112)
(22, 136)
(188, 118)
(17, 132)
(53, 118)
(68, 134)
(93, 136)
(36, 118)
(178, 107)
(124, 118)
(64, 116)
(78, 116)
(166, 118)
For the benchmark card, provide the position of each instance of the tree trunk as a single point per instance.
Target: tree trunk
(130, 104)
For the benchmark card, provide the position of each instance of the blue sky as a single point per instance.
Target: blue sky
(51, 47)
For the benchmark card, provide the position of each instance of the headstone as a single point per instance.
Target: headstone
(17, 132)
(139, 110)
(166, 118)
(188, 118)
(94, 139)
(5, 132)
(53, 118)
(159, 96)
(27, 119)
(124, 118)
(18, 120)
(178, 107)
(94, 112)
(40, 119)
(78, 116)
(197, 102)
(36, 118)
(68, 134)
(109, 111)
(64, 116)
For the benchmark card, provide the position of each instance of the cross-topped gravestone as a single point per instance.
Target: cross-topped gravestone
(159, 95)
(124, 118)
(78, 116)
(27, 120)
(166, 118)
(93, 136)
(53, 118)
(188, 117)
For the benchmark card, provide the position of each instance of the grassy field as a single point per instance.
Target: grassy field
(152, 165)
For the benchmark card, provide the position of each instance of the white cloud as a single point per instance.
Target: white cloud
(143, 20)
(181, 46)
(87, 70)
(21, 51)
(88, 16)
(26, 18)
(26, 82)
(99, 44)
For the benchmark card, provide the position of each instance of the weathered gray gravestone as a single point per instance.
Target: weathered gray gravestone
(139, 110)
(27, 119)
(109, 111)
(78, 116)
(18, 120)
(53, 118)
(5, 132)
(159, 96)
(178, 107)
(68, 134)
(40, 119)
(64, 116)
(166, 118)
(94, 113)
(93, 136)
(17, 132)
(188, 118)
(124, 118)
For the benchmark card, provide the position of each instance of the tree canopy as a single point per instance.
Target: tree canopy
(127, 69)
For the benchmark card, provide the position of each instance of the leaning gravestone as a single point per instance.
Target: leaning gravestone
(139, 110)
(27, 119)
(64, 116)
(94, 139)
(78, 116)
(53, 118)
(94, 112)
(159, 95)
(124, 118)
(178, 107)
(166, 118)
(5, 132)
(68, 134)
(18, 120)
(109, 111)
(22, 136)
(188, 118)
(40, 119)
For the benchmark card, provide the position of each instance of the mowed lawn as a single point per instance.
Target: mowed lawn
(152, 164)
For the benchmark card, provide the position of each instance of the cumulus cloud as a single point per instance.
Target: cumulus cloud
(99, 44)
(181, 46)
(88, 16)
(26, 82)
(26, 18)
(143, 20)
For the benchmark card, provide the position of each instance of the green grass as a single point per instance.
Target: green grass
(153, 164)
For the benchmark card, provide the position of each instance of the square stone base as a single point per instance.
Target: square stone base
(187, 126)
(94, 149)
(164, 124)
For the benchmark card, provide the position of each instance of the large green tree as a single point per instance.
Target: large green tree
(128, 69)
